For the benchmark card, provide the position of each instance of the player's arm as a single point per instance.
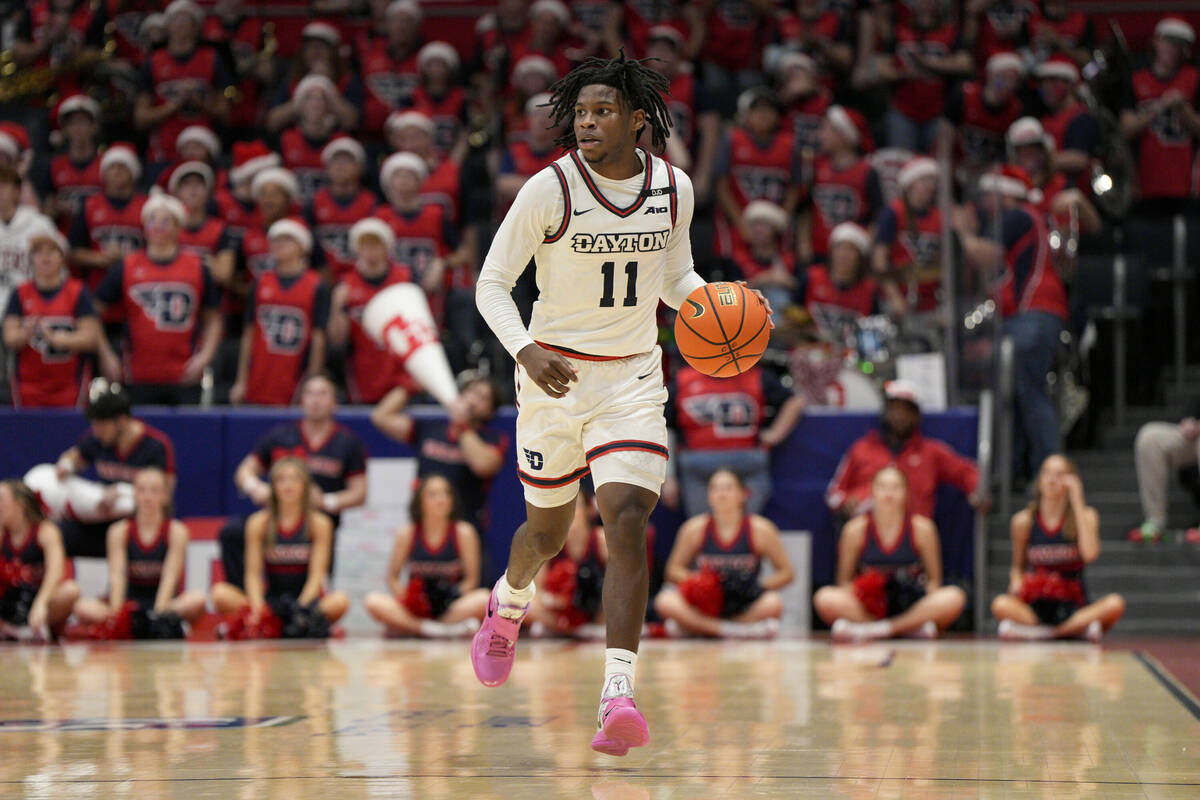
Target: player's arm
(538, 209)
(929, 548)
(469, 555)
(401, 549)
(256, 531)
(683, 552)
(322, 548)
(850, 547)
(118, 537)
(765, 537)
(172, 571)
(389, 418)
(1019, 530)
(248, 479)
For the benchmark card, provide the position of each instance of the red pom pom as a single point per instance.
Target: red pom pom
(416, 599)
(560, 578)
(239, 627)
(870, 587)
(118, 627)
(703, 592)
(1044, 584)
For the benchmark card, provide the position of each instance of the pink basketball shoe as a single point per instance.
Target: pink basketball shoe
(495, 644)
(622, 726)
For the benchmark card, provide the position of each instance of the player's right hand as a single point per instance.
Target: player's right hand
(547, 369)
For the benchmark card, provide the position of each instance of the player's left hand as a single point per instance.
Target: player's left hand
(765, 302)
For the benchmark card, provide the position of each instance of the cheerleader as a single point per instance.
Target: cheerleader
(889, 572)
(35, 598)
(441, 598)
(1052, 539)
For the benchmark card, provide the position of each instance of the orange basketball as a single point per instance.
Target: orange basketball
(722, 329)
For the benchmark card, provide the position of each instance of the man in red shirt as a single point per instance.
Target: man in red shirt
(926, 463)
(74, 175)
(338, 205)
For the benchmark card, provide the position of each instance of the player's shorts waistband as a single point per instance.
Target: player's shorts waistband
(569, 353)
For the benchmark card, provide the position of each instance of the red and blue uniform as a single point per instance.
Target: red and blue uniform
(914, 239)
(285, 561)
(439, 570)
(245, 37)
(448, 112)
(388, 81)
(1030, 281)
(852, 194)
(921, 99)
(1167, 142)
(167, 78)
(890, 579)
(208, 238)
(439, 452)
(331, 462)
(25, 568)
(818, 289)
(1053, 581)
(981, 126)
(108, 222)
(736, 566)
(723, 413)
(74, 182)
(112, 465)
(144, 563)
(330, 217)
(373, 370)
(302, 155)
(44, 376)
(756, 170)
(283, 314)
(902, 555)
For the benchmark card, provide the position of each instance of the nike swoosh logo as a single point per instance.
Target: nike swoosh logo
(639, 377)
(697, 309)
(618, 658)
(576, 212)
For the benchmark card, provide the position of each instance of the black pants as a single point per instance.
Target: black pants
(164, 394)
(233, 551)
(85, 539)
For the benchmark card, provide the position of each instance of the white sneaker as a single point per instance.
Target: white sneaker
(846, 631)
(1094, 632)
(1016, 632)
(927, 630)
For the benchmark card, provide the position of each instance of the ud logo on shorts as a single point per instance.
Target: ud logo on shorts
(284, 328)
(534, 458)
(169, 305)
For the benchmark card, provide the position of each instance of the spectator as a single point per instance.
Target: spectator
(320, 54)
(203, 233)
(820, 31)
(170, 305)
(438, 97)
(146, 555)
(289, 549)
(756, 162)
(727, 543)
(195, 143)
(889, 571)
(549, 35)
(58, 34)
(276, 193)
(526, 157)
(371, 369)
(335, 207)
(1032, 149)
(568, 601)
(335, 456)
(1032, 301)
(110, 225)
(182, 83)
(1159, 118)
(390, 64)
(997, 26)
(251, 46)
(842, 185)
(1052, 539)
(1160, 449)
(532, 75)
(805, 99)
(41, 597)
(16, 221)
(413, 132)
(500, 36)
(977, 115)
(907, 256)
(1056, 28)
(629, 24)
(764, 262)
(846, 282)
(235, 202)
(696, 126)
(115, 446)
(723, 422)
(316, 125)
(283, 338)
(925, 53)
(463, 448)
(1074, 129)
(441, 597)
(731, 55)
(925, 464)
(48, 325)
(74, 174)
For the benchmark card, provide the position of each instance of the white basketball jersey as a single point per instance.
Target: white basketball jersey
(600, 274)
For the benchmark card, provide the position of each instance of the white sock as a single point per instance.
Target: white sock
(431, 629)
(733, 630)
(513, 602)
(619, 666)
(1016, 630)
(880, 629)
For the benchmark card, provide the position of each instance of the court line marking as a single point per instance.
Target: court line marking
(1169, 682)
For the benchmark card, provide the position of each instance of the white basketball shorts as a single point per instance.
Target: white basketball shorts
(609, 423)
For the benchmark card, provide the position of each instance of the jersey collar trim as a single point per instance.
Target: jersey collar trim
(596, 193)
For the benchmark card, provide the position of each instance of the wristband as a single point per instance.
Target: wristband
(329, 502)
(66, 465)
(248, 484)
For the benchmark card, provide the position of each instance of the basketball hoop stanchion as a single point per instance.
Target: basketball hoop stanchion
(984, 459)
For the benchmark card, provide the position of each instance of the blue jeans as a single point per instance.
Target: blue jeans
(697, 466)
(1035, 342)
(908, 134)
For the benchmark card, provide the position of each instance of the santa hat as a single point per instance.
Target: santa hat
(76, 102)
(190, 168)
(1175, 28)
(184, 7)
(1005, 61)
(396, 161)
(249, 158)
(344, 144)
(18, 134)
(315, 83)
(372, 226)
(1026, 131)
(560, 11)
(438, 50)
(667, 33)
(122, 153)
(9, 145)
(44, 229)
(150, 23)
(535, 65)
(915, 169)
(852, 126)
(278, 176)
(794, 60)
(768, 212)
(410, 7)
(294, 229)
(758, 94)
(399, 120)
(1010, 181)
(901, 390)
(201, 134)
(161, 201)
(1058, 66)
(323, 31)
(534, 104)
(851, 233)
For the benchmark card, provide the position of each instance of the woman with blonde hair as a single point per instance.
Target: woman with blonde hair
(35, 596)
(1053, 538)
(288, 547)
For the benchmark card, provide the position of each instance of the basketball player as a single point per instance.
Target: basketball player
(607, 225)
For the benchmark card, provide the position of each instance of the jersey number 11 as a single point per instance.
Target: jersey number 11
(608, 269)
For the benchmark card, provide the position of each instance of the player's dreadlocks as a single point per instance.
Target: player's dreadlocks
(639, 85)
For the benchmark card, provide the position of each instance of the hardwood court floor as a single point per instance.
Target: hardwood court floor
(367, 719)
